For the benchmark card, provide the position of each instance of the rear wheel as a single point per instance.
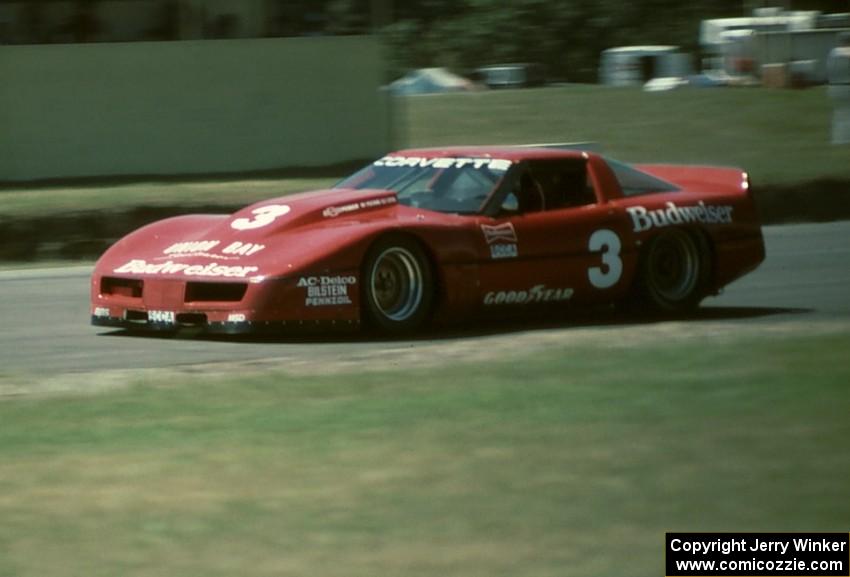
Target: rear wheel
(398, 288)
(673, 271)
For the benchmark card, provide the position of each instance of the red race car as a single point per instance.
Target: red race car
(439, 235)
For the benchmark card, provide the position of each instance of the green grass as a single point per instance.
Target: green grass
(780, 136)
(59, 200)
(572, 462)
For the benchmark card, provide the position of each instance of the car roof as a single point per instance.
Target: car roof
(512, 153)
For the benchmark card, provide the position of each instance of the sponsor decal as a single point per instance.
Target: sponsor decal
(192, 247)
(643, 219)
(101, 312)
(536, 294)
(263, 216)
(499, 233)
(502, 240)
(417, 161)
(167, 317)
(327, 290)
(503, 251)
(243, 248)
(140, 266)
(334, 211)
(203, 248)
(236, 318)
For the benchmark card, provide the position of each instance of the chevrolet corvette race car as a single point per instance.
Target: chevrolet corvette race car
(436, 235)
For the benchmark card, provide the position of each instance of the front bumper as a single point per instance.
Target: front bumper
(280, 305)
(195, 324)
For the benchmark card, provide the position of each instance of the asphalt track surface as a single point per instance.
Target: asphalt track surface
(805, 280)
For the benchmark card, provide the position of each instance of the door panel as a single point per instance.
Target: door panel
(572, 255)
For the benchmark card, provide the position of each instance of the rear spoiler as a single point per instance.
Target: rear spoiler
(588, 146)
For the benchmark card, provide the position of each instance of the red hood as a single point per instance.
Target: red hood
(250, 243)
(310, 208)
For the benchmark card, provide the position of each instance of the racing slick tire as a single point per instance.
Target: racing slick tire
(398, 285)
(674, 269)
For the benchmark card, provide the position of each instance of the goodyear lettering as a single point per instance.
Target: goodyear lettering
(140, 266)
(643, 219)
(536, 294)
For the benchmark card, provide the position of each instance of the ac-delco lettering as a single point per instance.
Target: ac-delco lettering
(417, 161)
(327, 290)
(536, 294)
(643, 219)
(140, 266)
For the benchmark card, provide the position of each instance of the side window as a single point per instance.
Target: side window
(557, 184)
(510, 205)
(565, 183)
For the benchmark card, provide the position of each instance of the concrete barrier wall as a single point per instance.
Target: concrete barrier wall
(167, 108)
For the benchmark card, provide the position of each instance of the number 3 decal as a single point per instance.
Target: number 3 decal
(608, 244)
(265, 215)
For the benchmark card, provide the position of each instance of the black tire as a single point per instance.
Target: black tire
(674, 270)
(398, 285)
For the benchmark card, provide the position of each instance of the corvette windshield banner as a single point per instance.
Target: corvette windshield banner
(418, 161)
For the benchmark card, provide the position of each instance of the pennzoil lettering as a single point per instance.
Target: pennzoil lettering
(643, 219)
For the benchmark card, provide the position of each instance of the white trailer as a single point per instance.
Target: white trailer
(637, 65)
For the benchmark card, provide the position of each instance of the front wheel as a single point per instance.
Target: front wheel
(673, 272)
(398, 289)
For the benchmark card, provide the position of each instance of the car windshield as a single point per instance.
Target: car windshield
(450, 184)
